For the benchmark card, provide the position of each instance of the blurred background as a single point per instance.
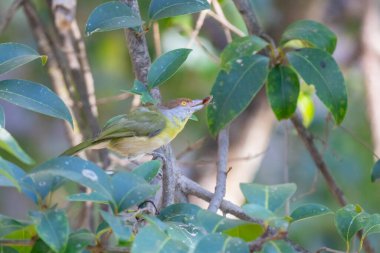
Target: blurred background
(262, 150)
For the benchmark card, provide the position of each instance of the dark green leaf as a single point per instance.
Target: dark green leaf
(375, 171)
(181, 212)
(349, 220)
(318, 68)
(118, 225)
(140, 89)
(79, 240)
(247, 232)
(166, 66)
(92, 197)
(41, 246)
(234, 90)
(5, 249)
(159, 9)
(34, 97)
(282, 90)
(52, 227)
(13, 55)
(9, 225)
(314, 34)
(148, 170)
(9, 144)
(221, 244)
(2, 117)
(241, 47)
(111, 16)
(151, 239)
(277, 247)
(308, 211)
(270, 197)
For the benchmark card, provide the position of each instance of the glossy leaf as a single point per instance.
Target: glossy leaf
(247, 232)
(9, 144)
(181, 212)
(92, 197)
(140, 89)
(314, 34)
(159, 9)
(166, 66)
(221, 243)
(13, 55)
(111, 16)
(148, 170)
(349, 220)
(130, 189)
(375, 174)
(277, 247)
(34, 97)
(234, 90)
(241, 47)
(2, 117)
(318, 68)
(308, 211)
(79, 240)
(118, 225)
(9, 225)
(282, 90)
(150, 239)
(52, 227)
(271, 197)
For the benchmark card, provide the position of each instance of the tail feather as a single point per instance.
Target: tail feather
(81, 146)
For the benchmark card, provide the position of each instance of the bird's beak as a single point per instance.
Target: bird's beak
(198, 104)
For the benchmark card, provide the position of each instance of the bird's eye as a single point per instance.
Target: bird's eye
(183, 103)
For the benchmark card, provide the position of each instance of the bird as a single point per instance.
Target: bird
(144, 129)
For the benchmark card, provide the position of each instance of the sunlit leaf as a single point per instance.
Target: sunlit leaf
(9, 225)
(307, 109)
(318, 68)
(159, 9)
(148, 170)
(221, 243)
(34, 97)
(308, 211)
(375, 174)
(111, 16)
(9, 144)
(13, 55)
(119, 227)
(247, 232)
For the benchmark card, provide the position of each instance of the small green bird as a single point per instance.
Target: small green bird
(144, 129)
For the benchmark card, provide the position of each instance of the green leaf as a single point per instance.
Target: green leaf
(159, 9)
(34, 97)
(241, 47)
(40, 246)
(148, 170)
(130, 189)
(375, 171)
(193, 117)
(349, 220)
(9, 144)
(306, 106)
(277, 247)
(13, 55)
(140, 89)
(214, 223)
(118, 225)
(222, 244)
(166, 66)
(318, 68)
(53, 228)
(79, 240)
(92, 197)
(181, 212)
(234, 90)
(308, 211)
(282, 90)
(5, 249)
(314, 34)
(271, 197)
(2, 117)
(269, 218)
(9, 225)
(111, 16)
(247, 232)
(150, 239)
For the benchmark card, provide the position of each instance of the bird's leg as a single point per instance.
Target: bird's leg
(156, 155)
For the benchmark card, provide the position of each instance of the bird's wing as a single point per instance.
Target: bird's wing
(141, 122)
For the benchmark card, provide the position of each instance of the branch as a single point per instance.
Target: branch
(9, 13)
(249, 16)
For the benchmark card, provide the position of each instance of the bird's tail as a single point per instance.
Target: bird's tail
(81, 146)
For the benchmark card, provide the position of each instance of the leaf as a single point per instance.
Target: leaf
(129, 190)
(247, 232)
(375, 171)
(234, 90)
(118, 225)
(9, 225)
(159, 9)
(34, 97)
(269, 218)
(318, 68)
(9, 144)
(308, 211)
(166, 66)
(349, 220)
(40, 246)
(13, 55)
(52, 227)
(306, 106)
(277, 247)
(79, 240)
(313, 33)
(111, 16)
(241, 47)
(140, 89)
(181, 212)
(214, 223)
(271, 197)
(282, 90)
(148, 170)
(152, 240)
(222, 244)
(2, 117)
(5, 249)
(92, 197)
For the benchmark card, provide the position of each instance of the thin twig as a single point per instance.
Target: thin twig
(225, 23)
(221, 16)
(198, 26)
(325, 249)
(9, 14)
(112, 99)
(256, 245)
(11, 242)
(157, 38)
(249, 16)
(212, 56)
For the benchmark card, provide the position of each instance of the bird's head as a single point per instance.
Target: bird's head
(183, 108)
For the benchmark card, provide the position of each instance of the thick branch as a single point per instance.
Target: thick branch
(249, 16)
